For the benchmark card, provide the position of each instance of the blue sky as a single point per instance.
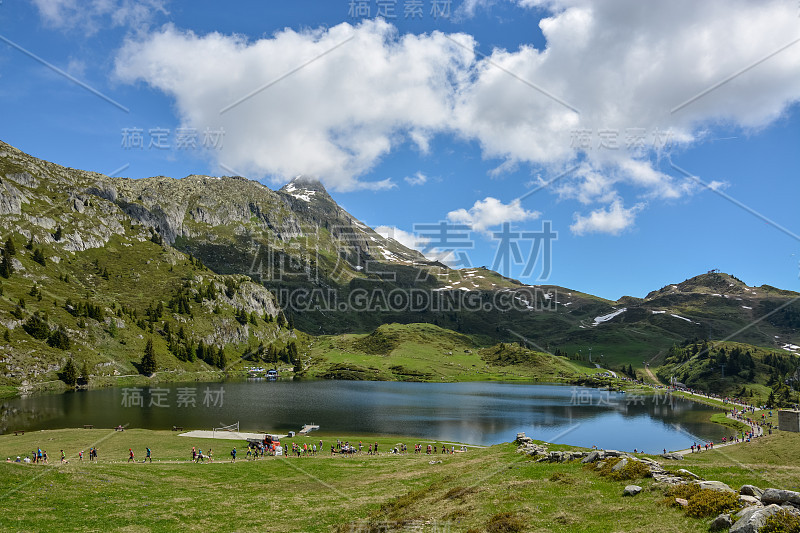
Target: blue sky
(671, 131)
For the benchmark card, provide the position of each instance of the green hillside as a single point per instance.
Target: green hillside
(93, 267)
(424, 352)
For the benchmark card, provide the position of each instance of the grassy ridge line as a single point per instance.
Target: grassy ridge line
(463, 492)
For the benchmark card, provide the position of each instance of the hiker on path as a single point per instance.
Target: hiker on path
(148, 456)
(130, 455)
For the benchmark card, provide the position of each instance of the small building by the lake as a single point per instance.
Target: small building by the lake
(789, 421)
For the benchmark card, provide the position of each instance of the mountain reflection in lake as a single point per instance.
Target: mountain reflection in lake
(477, 413)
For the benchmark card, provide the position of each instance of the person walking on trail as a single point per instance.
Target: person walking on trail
(148, 456)
(80, 456)
(130, 455)
(194, 454)
(233, 455)
(63, 457)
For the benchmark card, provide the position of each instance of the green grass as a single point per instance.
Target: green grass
(425, 352)
(466, 491)
(721, 419)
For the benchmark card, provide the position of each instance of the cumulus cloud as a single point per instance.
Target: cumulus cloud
(417, 242)
(614, 219)
(491, 212)
(406, 238)
(92, 15)
(364, 89)
(417, 179)
(618, 83)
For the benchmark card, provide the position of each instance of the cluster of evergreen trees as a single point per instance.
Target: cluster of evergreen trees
(85, 309)
(37, 327)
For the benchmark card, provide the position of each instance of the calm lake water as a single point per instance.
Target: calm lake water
(477, 413)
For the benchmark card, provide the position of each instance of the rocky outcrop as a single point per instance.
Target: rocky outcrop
(751, 490)
(673, 456)
(751, 519)
(11, 198)
(718, 486)
(781, 497)
(723, 521)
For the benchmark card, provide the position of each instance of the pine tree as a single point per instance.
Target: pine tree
(59, 339)
(36, 327)
(201, 350)
(69, 374)
(38, 256)
(6, 269)
(149, 359)
(57, 234)
(85, 373)
(11, 249)
(291, 322)
(281, 320)
(222, 359)
(7, 336)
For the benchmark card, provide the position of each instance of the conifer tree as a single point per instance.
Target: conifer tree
(149, 359)
(69, 374)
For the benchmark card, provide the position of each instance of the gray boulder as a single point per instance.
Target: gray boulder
(753, 518)
(619, 466)
(791, 509)
(749, 501)
(631, 490)
(723, 521)
(751, 490)
(780, 496)
(714, 485)
(592, 457)
(672, 456)
(690, 474)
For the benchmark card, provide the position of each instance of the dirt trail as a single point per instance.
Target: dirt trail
(652, 375)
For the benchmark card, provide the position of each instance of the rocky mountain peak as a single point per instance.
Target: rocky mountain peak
(305, 188)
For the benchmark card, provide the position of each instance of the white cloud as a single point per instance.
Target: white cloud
(92, 15)
(406, 238)
(334, 118)
(421, 244)
(417, 179)
(491, 212)
(625, 65)
(612, 220)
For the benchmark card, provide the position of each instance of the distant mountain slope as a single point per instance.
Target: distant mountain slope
(209, 249)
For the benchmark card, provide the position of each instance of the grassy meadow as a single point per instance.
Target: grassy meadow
(483, 489)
